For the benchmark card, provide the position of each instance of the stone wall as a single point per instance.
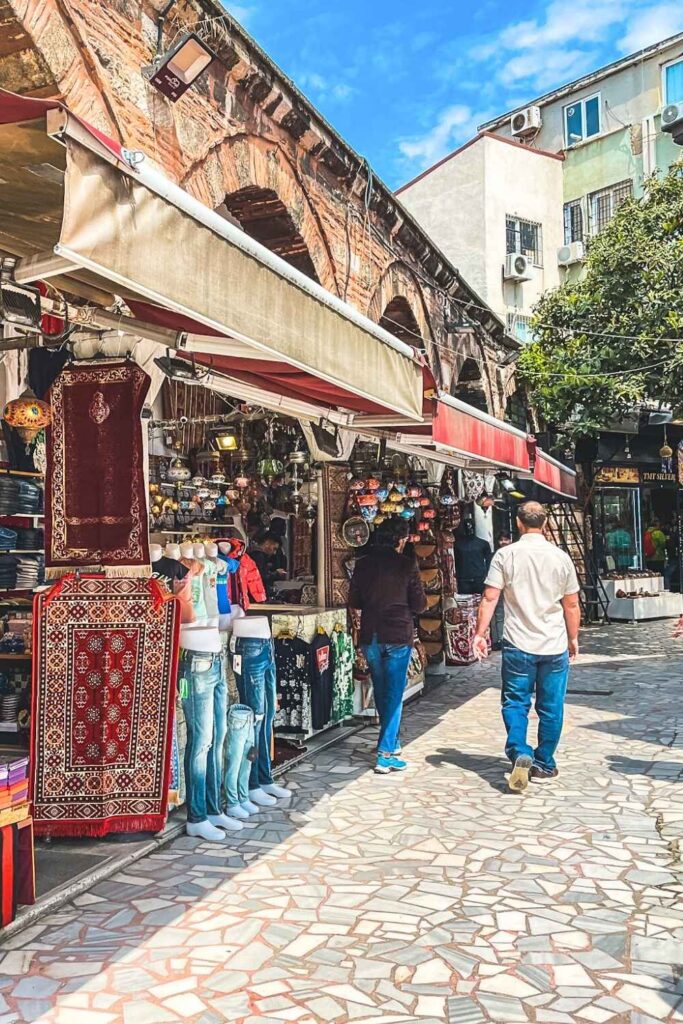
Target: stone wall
(243, 125)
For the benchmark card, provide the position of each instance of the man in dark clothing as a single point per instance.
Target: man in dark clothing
(262, 550)
(472, 559)
(387, 590)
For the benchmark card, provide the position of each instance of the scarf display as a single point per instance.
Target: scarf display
(95, 496)
(104, 665)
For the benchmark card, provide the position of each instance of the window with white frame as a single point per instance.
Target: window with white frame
(582, 120)
(573, 221)
(603, 204)
(524, 236)
(672, 82)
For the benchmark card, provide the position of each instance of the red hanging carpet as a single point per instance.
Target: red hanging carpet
(104, 666)
(95, 498)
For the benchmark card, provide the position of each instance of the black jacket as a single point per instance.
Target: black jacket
(387, 589)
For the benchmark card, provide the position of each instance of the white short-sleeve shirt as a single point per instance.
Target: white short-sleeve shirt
(534, 576)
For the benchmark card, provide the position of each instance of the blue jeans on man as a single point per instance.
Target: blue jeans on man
(204, 698)
(239, 744)
(388, 665)
(254, 668)
(524, 675)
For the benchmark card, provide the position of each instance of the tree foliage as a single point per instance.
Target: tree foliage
(624, 314)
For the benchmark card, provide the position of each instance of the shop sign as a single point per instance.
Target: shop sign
(652, 477)
(617, 475)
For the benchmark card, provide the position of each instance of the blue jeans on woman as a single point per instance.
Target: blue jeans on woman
(254, 667)
(523, 675)
(388, 665)
(204, 697)
(239, 744)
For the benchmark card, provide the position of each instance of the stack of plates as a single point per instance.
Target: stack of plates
(9, 706)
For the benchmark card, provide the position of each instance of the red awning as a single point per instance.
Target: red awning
(552, 475)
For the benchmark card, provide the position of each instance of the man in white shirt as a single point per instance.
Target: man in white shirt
(542, 617)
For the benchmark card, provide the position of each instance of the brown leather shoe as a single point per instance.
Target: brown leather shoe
(542, 774)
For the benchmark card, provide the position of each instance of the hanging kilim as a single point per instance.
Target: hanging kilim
(104, 679)
(95, 496)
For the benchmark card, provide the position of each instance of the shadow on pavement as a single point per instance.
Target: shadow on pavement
(665, 771)
(489, 768)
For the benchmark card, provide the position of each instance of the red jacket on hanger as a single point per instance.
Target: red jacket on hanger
(246, 585)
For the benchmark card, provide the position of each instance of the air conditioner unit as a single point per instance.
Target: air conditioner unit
(525, 122)
(672, 117)
(574, 252)
(517, 267)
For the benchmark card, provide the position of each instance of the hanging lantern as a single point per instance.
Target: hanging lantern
(28, 415)
(666, 454)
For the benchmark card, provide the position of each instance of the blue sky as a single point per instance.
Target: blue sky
(407, 81)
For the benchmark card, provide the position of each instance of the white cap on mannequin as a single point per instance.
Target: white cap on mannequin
(187, 550)
(211, 550)
(172, 551)
(155, 552)
(199, 550)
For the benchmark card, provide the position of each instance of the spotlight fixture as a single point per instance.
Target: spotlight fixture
(173, 73)
(509, 487)
(179, 369)
(19, 303)
(226, 441)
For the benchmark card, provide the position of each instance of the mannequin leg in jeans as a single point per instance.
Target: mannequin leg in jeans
(256, 683)
(240, 743)
(214, 768)
(200, 674)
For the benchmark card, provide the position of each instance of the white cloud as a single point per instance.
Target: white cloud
(322, 87)
(582, 21)
(454, 124)
(546, 68)
(650, 25)
(240, 12)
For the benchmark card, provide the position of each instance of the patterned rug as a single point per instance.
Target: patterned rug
(95, 498)
(104, 680)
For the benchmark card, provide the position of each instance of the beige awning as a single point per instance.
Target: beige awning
(127, 229)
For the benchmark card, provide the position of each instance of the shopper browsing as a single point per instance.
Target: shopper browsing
(540, 639)
(387, 590)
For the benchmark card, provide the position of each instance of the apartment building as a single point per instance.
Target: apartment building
(514, 207)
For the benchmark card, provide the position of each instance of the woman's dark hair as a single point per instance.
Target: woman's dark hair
(390, 533)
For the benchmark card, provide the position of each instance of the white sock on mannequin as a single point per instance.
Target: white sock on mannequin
(236, 811)
(223, 821)
(258, 796)
(249, 807)
(272, 789)
(205, 830)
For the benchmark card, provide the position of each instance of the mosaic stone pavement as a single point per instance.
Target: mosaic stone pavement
(430, 897)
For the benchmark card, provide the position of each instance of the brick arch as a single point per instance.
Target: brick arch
(468, 350)
(249, 162)
(398, 288)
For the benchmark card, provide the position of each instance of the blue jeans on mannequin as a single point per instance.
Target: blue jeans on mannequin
(523, 675)
(240, 742)
(254, 667)
(388, 665)
(204, 697)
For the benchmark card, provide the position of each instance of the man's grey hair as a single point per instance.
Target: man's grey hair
(532, 514)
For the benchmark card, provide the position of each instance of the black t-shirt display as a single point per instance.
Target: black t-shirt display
(168, 571)
(321, 680)
(472, 560)
(293, 671)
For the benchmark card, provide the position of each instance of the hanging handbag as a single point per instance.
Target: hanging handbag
(431, 580)
(434, 652)
(430, 629)
(434, 604)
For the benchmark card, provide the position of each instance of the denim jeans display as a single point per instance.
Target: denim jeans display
(254, 667)
(389, 670)
(201, 682)
(239, 744)
(523, 675)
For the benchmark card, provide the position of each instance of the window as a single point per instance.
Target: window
(524, 236)
(515, 412)
(603, 204)
(582, 120)
(573, 222)
(672, 82)
(518, 326)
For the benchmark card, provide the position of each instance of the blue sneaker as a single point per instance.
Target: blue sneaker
(385, 765)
